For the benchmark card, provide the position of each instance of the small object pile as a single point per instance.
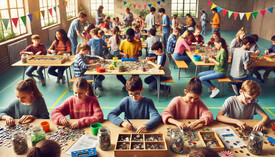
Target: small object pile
(155, 146)
(153, 138)
(123, 145)
(137, 137)
(19, 142)
(37, 134)
(123, 138)
(104, 136)
(137, 146)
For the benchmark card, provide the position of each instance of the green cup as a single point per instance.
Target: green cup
(94, 127)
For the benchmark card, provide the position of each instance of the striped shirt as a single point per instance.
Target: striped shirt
(171, 44)
(61, 46)
(81, 64)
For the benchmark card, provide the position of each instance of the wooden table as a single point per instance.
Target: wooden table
(115, 130)
(68, 64)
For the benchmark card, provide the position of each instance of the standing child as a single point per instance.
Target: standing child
(150, 19)
(196, 37)
(174, 21)
(96, 43)
(172, 40)
(271, 52)
(135, 106)
(203, 22)
(82, 106)
(181, 46)
(45, 148)
(165, 23)
(29, 105)
(86, 34)
(188, 107)
(115, 42)
(244, 106)
(237, 41)
(150, 42)
(36, 48)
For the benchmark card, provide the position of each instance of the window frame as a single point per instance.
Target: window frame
(181, 14)
(107, 13)
(68, 13)
(46, 9)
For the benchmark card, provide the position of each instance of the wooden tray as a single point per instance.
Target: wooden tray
(204, 141)
(42, 59)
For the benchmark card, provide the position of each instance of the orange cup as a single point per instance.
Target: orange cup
(45, 125)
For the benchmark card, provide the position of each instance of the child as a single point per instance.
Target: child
(129, 48)
(36, 48)
(174, 21)
(150, 41)
(83, 63)
(271, 52)
(220, 69)
(255, 50)
(181, 46)
(215, 35)
(196, 37)
(150, 19)
(115, 41)
(190, 23)
(61, 45)
(29, 105)
(244, 106)
(188, 107)
(203, 152)
(172, 40)
(105, 24)
(163, 62)
(140, 21)
(82, 106)
(96, 43)
(137, 33)
(237, 41)
(135, 106)
(86, 34)
(45, 148)
(165, 23)
(116, 22)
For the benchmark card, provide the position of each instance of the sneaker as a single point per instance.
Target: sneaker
(100, 87)
(57, 80)
(43, 82)
(235, 89)
(214, 93)
(63, 80)
(123, 88)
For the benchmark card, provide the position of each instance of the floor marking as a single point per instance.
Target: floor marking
(269, 111)
(10, 84)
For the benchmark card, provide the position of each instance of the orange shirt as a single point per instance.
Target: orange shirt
(216, 21)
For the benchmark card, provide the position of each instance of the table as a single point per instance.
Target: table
(115, 130)
(68, 64)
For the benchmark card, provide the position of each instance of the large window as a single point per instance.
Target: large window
(183, 7)
(48, 19)
(107, 4)
(71, 8)
(11, 9)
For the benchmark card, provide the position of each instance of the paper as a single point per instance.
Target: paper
(232, 141)
(84, 142)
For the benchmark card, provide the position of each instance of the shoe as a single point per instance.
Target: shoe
(123, 88)
(57, 80)
(169, 91)
(235, 89)
(100, 87)
(63, 80)
(214, 93)
(43, 82)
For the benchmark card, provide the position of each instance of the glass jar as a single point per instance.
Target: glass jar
(176, 141)
(255, 142)
(19, 142)
(37, 134)
(24, 58)
(104, 138)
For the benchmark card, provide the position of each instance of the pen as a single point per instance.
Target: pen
(130, 123)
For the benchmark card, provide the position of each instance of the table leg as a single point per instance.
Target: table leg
(70, 72)
(68, 82)
(24, 70)
(95, 77)
(158, 84)
(179, 74)
(196, 71)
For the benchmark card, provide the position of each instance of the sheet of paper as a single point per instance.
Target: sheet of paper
(84, 142)
(230, 138)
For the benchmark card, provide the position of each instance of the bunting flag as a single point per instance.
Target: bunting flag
(23, 18)
(209, 3)
(149, 5)
(163, 1)
(54, 8)
(248, 16)
(125, 2)
(51, 11)
(154, 4)
(270, 9)
(58, 6)
(30, 17)
(134, 5)
(158, 2)
(255, 14)
(37, 14)
(145, 6)
(241, 16)
(66, 3)
(43, 13)
(224, 12)
(230, 13)
(213, 6)
(15, 21)
(219, 9)
(235, 15)
(130, 4)
(6, 22)
(139, 6)
(262, 12)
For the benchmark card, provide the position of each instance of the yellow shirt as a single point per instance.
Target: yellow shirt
(216, 21)
(130, 48)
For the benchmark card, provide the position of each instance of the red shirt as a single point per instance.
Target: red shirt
(34, 50)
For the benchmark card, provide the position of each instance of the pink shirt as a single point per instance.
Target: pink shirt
(179, 109)
(86, 111)
(181, 46)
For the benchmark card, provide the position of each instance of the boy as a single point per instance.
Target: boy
(135, 106)
(36, 48)
(172, 40)
(96, 43)
(129, 48)
(74, 30)
(165, 26)
(150, 19)
(163, 62)
(271, 52)
(244, 106)
(150, 41)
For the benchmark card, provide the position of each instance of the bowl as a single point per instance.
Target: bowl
(197, 58)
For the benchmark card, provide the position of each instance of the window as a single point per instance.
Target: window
(71, 8)
(12, 9)
(48, 19)
(107, 4)
(183, 7)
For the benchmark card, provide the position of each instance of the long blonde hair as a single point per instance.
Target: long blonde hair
(184, 35)
(240, 32)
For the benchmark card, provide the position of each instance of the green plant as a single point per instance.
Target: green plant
(142, 12)
(69, 16)
(50, 23)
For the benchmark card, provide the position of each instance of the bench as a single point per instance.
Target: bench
(74, 78)
(180, 65)
(228, 80)
(170, 80)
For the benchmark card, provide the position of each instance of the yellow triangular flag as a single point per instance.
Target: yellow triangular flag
(154, 4)
(247, 16)
(213, 6)
(43, 13)
(37, 13)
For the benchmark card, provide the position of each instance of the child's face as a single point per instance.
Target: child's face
(80, 93)
(160, 13)
(218, 45)
(248, 46)
(247, 99)
(191, 98)
(197, 32)
(84, 52)
(242, 36)
(58, 36)
(130, 38)
(135, 95)
(24, 97)
(35, 42)
(215, 36)
(273, 42)
(157, 52)
(176, 33)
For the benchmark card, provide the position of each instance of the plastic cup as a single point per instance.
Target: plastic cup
(45, 125)
(94, 127)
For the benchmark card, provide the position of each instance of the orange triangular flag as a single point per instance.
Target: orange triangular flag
(43, 13)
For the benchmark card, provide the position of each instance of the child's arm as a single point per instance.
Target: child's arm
(222, 118)
(8, 113)
(51, 49)
(81, 63)
(27, 50)
(43, 51)
(263, 122)
(59, 113)
(113, 116)
(206, 117)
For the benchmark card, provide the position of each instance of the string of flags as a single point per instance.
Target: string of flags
(240, 14)
(154, 4)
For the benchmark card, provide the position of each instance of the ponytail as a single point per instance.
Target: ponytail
(28, 86)
(194, 86)
(83, 84)
(45, 148)
(116, 33)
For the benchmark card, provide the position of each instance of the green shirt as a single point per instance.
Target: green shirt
(16, 109)
(222, 58)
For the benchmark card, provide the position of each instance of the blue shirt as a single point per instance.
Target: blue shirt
(97, 46)
(81, 64)
(171, 43)
(271, 49)
(75, 25)
(141, 109)
(166, 22)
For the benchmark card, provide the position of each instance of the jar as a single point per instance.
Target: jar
(37, 134)
(205, 58)
(176, 141)
(255, 142)
(19, 142)
(104, 138)
(24, 58)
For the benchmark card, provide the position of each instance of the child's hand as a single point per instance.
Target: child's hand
(266, 51)
(194, 124)
(242, 125)
(64, 122)
(141, 129)
(27, 119)
(126, 55)
(181, 125)
(75, 125)
(38, 53)
(30, 53)
(127, 125)
(258, 126)
(59, 53)
(10, 121)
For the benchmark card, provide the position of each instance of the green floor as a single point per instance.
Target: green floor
(54, 94)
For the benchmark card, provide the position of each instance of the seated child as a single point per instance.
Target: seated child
(36, 48)
(172, 40)
(96, 43)
(29, 105)
(82, 106)
(215, 35)
(140, 21)
(196, 37)
(244, 106)
(137, 34)
(203, 152)
(116, 22)
(105, 24)
(188, 107)
(255, 50)
(115, 41)
(237, 41)
(271, 52)
(150, 41)
(135, 106)
(45, 148)
(86, 34)
(181, 46)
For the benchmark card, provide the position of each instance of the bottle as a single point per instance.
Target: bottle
(37, 134)
(19, 142)
(255, 142)
(104, 138)
(176, 141)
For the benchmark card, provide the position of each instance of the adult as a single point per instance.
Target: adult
(165, 23)
(190, 23)
(99, 15)
(128, 17)
(216, 21)
(203, 22)
(150, 19)
(74, 30)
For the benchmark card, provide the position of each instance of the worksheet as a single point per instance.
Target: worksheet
(84, 142)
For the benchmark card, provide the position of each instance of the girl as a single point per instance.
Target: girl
(82, 106)
(181, 46)
(45, 148)
(117, 22)
(96, 43)
(99, 15)
(215, 35)
(29, 105)
(86, 34)
(60, 46)
(188, 107)
(139, 21)
(237, 41)
(174, 21)
(114, 41)
(190, 23)
(220, 69)
(197, 37)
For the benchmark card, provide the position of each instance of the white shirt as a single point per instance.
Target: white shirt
(150, 21)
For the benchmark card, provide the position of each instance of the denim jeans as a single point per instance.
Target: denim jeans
(248, 77)
(203, 30)
(206, 76)
(59, 74)
(152, 81)
(74, 45)
(183, 57)
(39, 71)
(165, 37)
(99, 79)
